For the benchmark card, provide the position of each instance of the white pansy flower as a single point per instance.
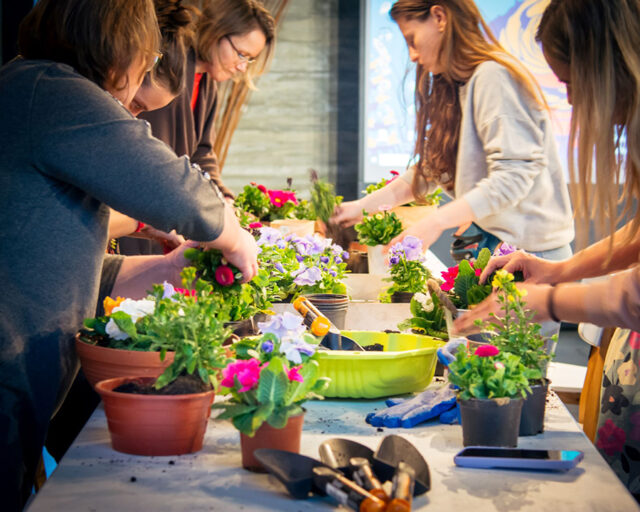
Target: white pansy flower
(425, 301)
(114, 331)
(136, 309)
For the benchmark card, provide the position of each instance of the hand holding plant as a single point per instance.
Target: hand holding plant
(463, 281)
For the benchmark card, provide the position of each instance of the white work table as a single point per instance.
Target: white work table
(93, 477)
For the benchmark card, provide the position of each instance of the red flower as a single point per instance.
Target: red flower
(184, 291)
(486, 351)
(279, 197)
(449, 277)
(255, 225)
(611, 438)
(254, 184)
(634, 340)
(394, 173)
(224, 275)
(262, 189)
(478, 271)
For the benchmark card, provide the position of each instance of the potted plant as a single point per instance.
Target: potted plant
(515, 332)
(462, 281)
(427, 316)
(269, 381)
(167, 415)
(408, 272)
(491, 387)
(375, 231)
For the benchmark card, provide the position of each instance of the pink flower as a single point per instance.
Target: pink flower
(262, 189)
(634, 340)
(394, 173)
(486, 351)
(384, 207)
(478, 271)
(255, 225)
(449, 277)
(247, 371)
(611, 438)
(294, 374)
(279, 197)
(224, 275)
(187, 293)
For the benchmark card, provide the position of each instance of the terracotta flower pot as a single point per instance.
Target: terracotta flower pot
(287, 438)
(294, 226)
(494, 422)
(410, 215)
(100, 363)
(154, 424)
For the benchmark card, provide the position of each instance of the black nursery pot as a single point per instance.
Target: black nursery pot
(493, 422)
(533, 407)
(332, 305)
(401, 297)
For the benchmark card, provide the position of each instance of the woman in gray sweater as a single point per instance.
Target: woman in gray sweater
(483, 134)
(70, 150)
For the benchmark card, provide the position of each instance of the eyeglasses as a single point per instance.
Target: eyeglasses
(241, 56)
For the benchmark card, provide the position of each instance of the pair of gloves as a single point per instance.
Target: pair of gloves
(436, 401)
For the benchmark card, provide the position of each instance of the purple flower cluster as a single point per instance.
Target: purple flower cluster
(503, 249)
(409, 249)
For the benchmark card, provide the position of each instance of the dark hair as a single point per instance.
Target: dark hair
(177, 27)
(599, 41)
(222, 18)
(467, 42)
(99, 39)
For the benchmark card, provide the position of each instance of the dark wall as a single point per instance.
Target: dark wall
(12, 13)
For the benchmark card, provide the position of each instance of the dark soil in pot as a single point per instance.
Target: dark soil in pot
(532, 419)
(401, 297)
(183, 385)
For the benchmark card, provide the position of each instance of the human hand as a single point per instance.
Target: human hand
(347, 214)
(176, 261)
(429, 404)
(534, 269)
(169, 240)
(536, 299)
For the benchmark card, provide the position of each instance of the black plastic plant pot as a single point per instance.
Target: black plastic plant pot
(401, 297)
(333, 306)
(494, 422)
(532, 418)
(395, 449)
(337, 452)
(295, 471)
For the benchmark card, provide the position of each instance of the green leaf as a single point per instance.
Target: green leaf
(483, 258)
(273, 383)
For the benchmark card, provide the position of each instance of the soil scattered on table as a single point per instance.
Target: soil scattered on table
(374, 347)
(183, 385)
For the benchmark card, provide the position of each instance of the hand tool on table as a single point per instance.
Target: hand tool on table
(450, 311)
(320, 325)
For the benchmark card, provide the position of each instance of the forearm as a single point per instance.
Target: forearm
(452, 215)
(394, 193)
(138, 274)
(121, 225)
(600, 259)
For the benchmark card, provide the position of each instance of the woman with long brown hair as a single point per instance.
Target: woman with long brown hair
(482, 132)
(593, 46)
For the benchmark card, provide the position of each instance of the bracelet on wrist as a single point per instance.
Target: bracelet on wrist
(551, 304)
(140, 227)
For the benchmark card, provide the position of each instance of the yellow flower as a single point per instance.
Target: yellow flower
(379, 216)
(521, 292)
(511, 298)
(110, 303)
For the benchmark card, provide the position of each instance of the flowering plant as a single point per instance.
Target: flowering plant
(272, 375)
(266, 204)
(243, 300)
(189, 322)
(428, 316)
(381, 184)
(463, 281)
(301, 265)
(514, 331)
(488, 373)
(433, 198)
(379, 228)
(406, 264)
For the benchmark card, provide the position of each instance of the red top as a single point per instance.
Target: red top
(196, 87)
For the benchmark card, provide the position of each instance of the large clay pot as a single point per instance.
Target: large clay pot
(294, 226)
(410, 215)
(532, 418)
(494, 422)
(100, 363)
(287, 438)
(154, 424)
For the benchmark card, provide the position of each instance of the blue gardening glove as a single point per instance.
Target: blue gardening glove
(429, 404)
(447, 353)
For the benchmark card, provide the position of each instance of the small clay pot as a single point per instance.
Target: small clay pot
(494, 422)
(532, 419)
(287, 439)
(154, 424)
(100, 363)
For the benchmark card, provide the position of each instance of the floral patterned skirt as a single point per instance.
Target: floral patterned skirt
(618, 434)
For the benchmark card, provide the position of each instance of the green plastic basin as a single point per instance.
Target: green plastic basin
(406, 365)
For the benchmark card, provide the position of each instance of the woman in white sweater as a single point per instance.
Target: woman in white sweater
(483, 134)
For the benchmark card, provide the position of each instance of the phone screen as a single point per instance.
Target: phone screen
(516, 453)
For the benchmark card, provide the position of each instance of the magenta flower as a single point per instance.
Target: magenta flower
(262, 189)
(294, 374)
(449, 277)
(255, 225)
(486, 351)
(394, 173)
(247, 372)
(224, 275)
(280, 197)
(611, 438)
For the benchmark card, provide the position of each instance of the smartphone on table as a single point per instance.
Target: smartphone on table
(516, 458)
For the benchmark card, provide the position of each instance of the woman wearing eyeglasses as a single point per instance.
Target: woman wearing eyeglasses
(234, 40)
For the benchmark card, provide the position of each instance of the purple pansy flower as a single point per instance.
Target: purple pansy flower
(269, 236)
(324, 259)
(503, 249)
(307, 276)
(279, 267)
(283, 326)
(267, 346)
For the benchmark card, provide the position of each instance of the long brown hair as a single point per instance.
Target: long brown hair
(599, 40)
(177, 26)
(223, 18)
(100, 40)
(467, 42)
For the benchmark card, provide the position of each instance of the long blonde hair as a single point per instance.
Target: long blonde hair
(467, 42)
(600, 42)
